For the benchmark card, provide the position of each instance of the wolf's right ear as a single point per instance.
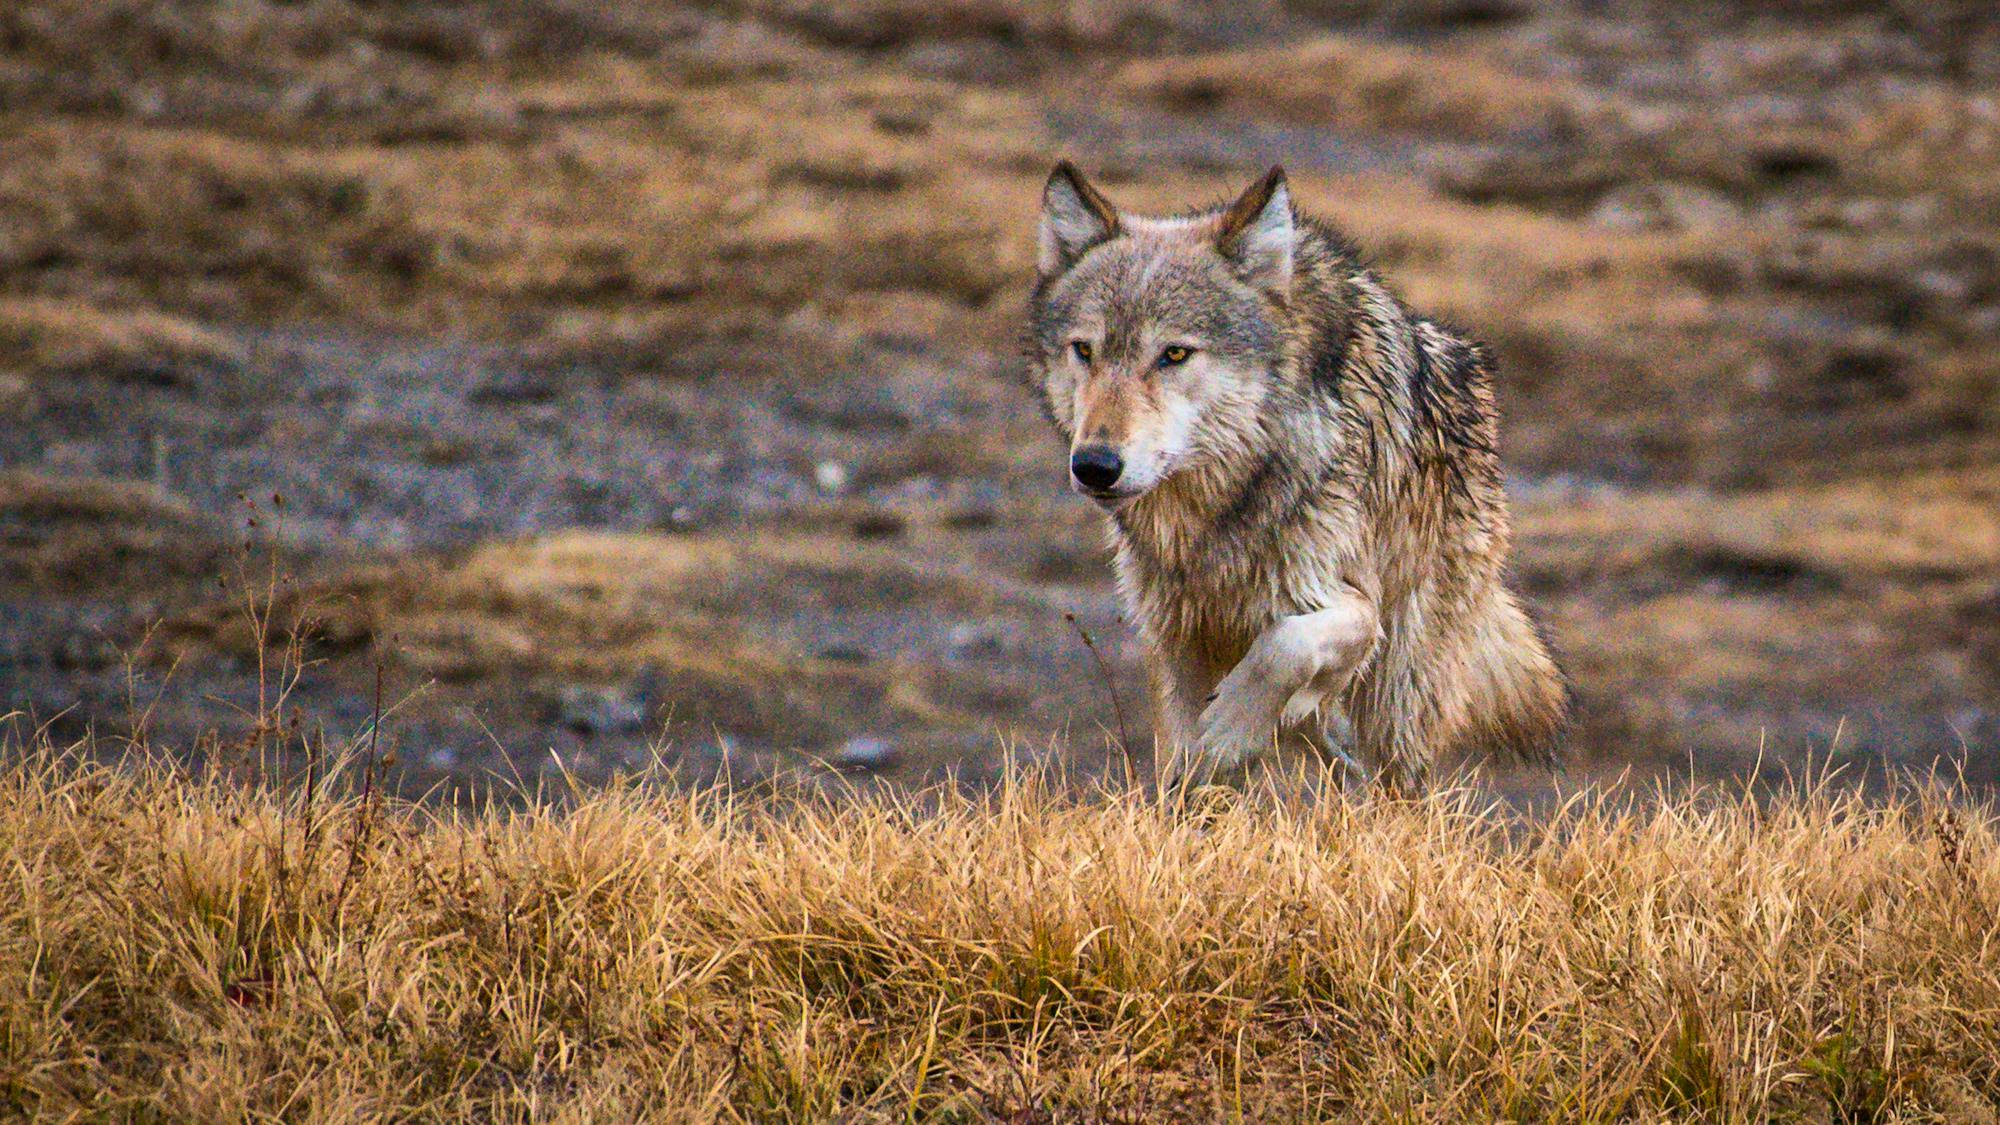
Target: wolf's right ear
(1075, 217)
(1255, 233)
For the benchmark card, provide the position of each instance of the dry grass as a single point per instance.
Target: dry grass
(1352, 81)
(43, 337)
(1100, 24)
(74, 535)
(182, 948)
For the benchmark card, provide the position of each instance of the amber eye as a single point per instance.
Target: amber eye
(1175, 355)
(1081, 348)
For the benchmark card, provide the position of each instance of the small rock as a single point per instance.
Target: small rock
(968, 639)
(864, 752)
(831, 477)
(599, 710)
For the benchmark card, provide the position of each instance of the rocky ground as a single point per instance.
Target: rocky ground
(641, 384)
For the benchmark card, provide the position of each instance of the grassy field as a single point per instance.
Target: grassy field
(189, 948)
(642, 386)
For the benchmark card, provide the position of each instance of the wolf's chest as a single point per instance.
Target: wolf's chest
(1212, 604)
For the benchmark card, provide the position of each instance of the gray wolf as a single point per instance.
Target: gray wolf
(1304, 500)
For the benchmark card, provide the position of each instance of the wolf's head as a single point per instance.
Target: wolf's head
(1154, 340)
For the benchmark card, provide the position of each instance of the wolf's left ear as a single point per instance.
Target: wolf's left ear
(1075, 217)
(1256, 233)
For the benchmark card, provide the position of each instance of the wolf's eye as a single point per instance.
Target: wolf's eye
(1081, 348)
(1174, 355)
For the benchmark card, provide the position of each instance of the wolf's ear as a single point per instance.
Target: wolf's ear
(1075, 217)
(1256, 233)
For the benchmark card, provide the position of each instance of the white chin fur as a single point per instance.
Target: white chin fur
(1116, 503)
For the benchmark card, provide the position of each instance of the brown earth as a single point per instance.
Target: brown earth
(643, 381)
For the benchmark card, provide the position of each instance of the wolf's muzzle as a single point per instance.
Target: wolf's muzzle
(1096, 467)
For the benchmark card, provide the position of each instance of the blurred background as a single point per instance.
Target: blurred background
(617, 380)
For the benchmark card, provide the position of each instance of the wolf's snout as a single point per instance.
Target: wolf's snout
(1096, 467)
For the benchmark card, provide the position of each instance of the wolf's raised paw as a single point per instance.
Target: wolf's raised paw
(1237, 724)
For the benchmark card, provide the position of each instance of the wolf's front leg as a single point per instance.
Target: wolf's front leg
(1179, 685)
(1306, 655)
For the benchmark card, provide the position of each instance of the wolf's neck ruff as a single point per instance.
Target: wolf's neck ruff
(1307, 507)
(1261, 473)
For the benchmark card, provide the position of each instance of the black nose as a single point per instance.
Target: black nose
(1096, 467)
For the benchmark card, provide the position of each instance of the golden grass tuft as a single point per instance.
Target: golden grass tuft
(47, 336)
(177, 948)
